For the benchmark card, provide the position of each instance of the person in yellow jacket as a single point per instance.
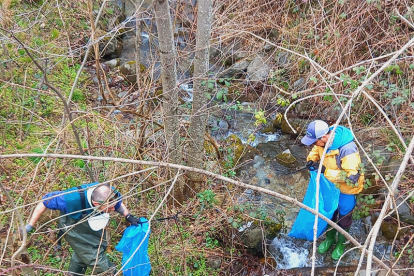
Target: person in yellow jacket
(340, 166)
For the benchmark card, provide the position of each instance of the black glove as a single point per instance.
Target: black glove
(312, 166)
(26, 228)
(133, 220)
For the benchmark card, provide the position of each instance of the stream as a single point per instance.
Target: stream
(265, 171)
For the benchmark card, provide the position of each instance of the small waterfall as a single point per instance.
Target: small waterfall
(289, 252)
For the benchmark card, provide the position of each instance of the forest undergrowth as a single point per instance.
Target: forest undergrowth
(333, 45)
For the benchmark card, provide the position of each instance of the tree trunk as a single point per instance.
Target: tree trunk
(199, 115)
(169, 86)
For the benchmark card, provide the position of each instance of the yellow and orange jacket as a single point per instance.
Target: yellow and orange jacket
(342, 155)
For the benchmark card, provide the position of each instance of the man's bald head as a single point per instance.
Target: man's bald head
(101, 193)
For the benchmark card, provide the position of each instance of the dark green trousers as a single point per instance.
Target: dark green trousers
(88, 247)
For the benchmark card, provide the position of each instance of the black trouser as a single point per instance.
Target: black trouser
(345, 221)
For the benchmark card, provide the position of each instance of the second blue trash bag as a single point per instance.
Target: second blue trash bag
(328, 203)
(132, 238)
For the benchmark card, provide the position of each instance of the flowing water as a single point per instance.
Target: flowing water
(265, 171)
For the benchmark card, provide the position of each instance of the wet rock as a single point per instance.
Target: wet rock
(286, 159)
(258, 161)
(261, 175)
(217, 124)
(271, 149)
(252, 239)
(223, 125)
(368, 223)
(212, 121)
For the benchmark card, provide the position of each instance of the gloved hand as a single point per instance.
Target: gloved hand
(133, 220)
(312, 166)
(27, 228)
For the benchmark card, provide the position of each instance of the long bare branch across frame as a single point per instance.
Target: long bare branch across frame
(216, 176)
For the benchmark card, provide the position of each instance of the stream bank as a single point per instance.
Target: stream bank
(262, 168)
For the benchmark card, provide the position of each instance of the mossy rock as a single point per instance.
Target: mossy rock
(128, 70)
(209, 149)
(273, 229)
(277, 122)
(286, 159)
(268, 129)
(280, 123)
(390, 230)
(236, 92)
(238, 146)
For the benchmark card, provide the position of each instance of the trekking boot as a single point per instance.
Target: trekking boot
(329, 240)
(340, 247)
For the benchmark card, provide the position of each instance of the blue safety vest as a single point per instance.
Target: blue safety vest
(77, 203)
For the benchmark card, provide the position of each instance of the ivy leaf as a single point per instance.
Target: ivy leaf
(210, 85)
(80, 163)
(219, 95)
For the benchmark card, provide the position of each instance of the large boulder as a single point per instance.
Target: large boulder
(236, 70)
(258, 69)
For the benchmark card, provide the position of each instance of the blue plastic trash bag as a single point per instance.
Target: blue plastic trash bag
(328, 203)
(139, 264)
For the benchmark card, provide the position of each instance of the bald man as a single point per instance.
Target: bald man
(84, 215)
